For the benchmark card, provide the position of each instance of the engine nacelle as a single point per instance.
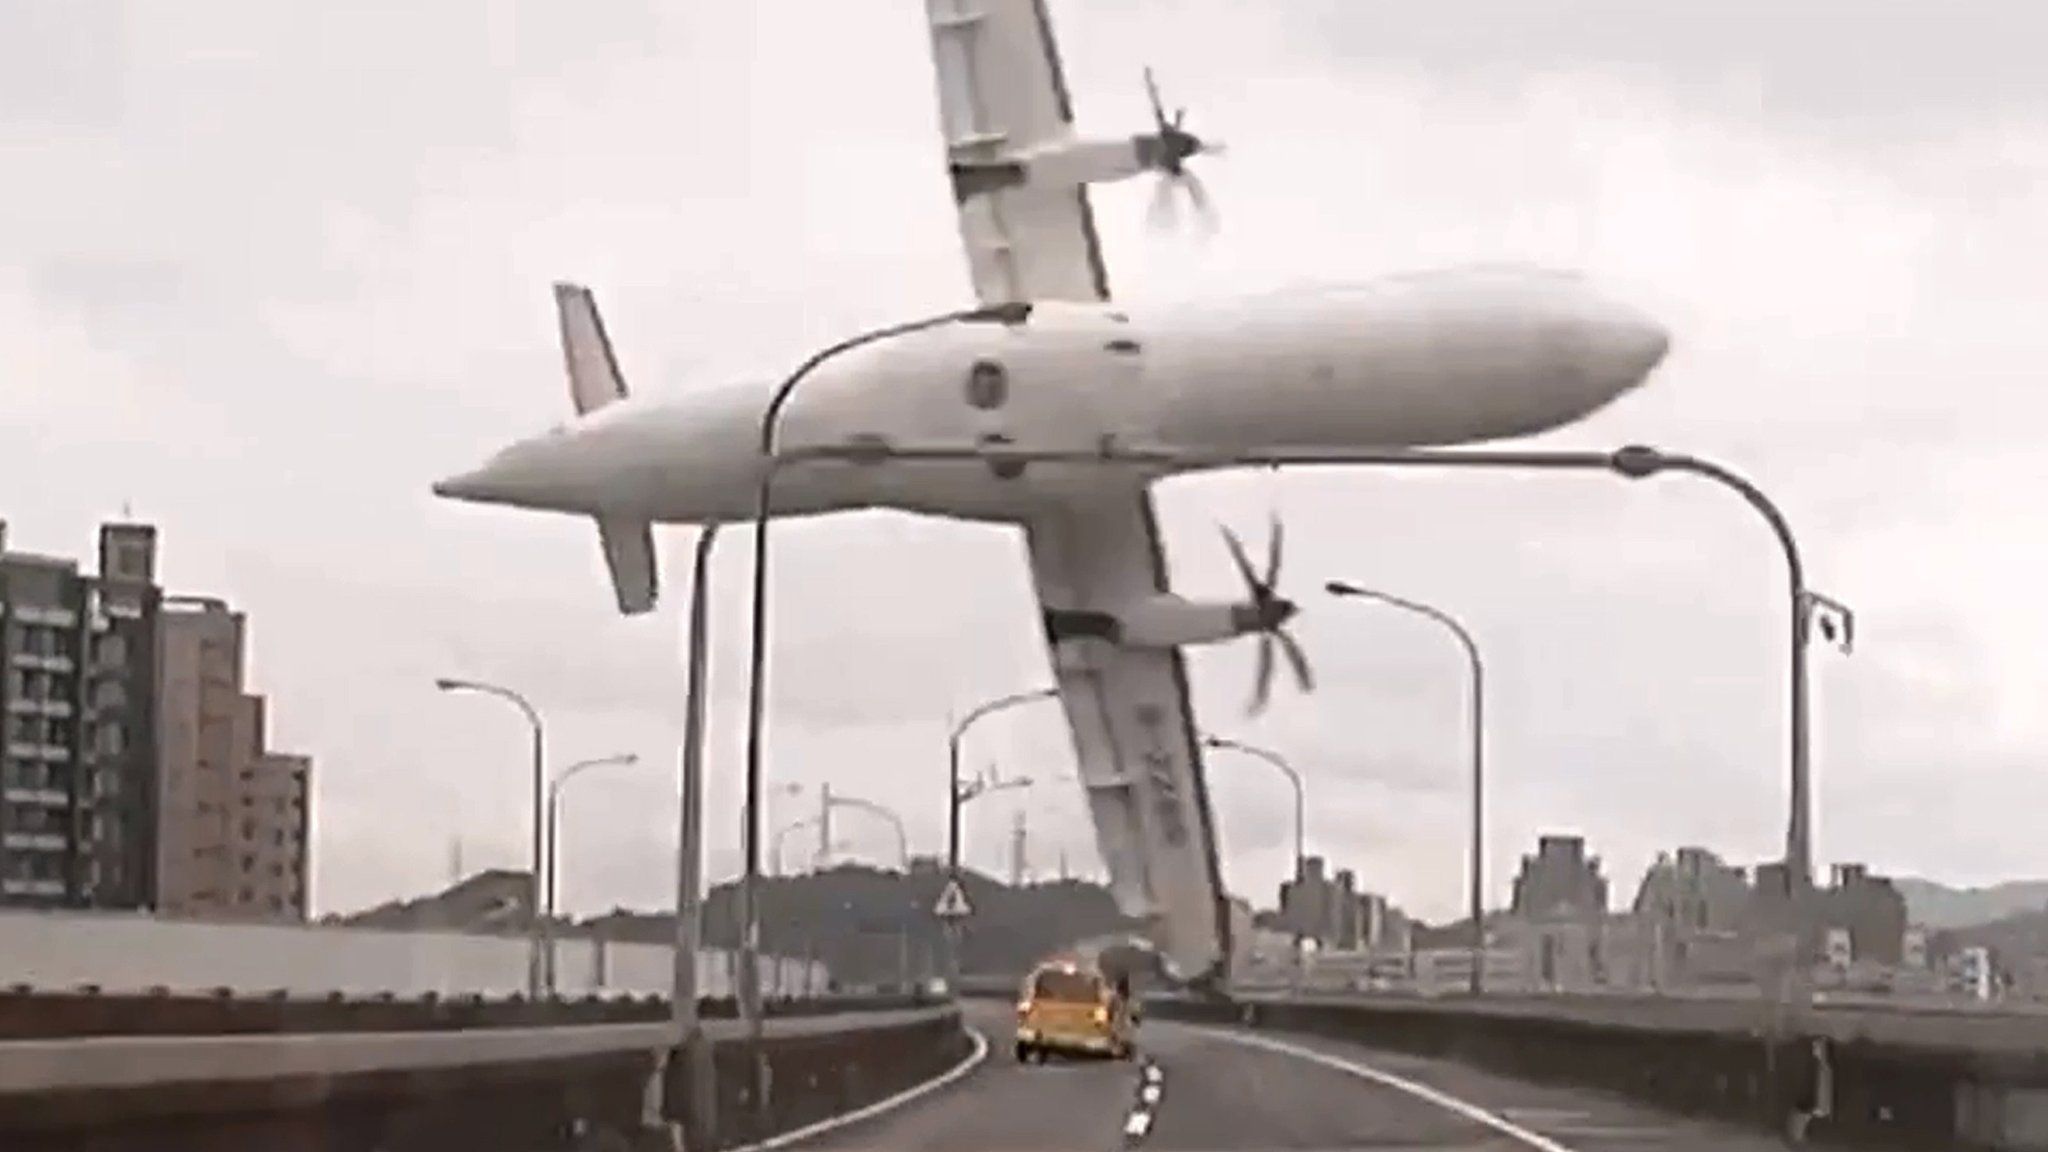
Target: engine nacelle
(1170, 621)
(1164, 621)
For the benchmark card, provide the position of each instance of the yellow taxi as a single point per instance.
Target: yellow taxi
(1068, 1007)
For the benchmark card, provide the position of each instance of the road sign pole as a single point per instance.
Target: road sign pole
(952, 909)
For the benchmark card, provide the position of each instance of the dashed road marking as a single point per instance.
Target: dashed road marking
(1423, 1092)
(1151, 1087)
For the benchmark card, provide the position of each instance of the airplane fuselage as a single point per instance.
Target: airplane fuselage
(1438, 358)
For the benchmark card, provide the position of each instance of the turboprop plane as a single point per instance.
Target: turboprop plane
(1431, 358)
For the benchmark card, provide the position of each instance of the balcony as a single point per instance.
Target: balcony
(43, 796)
(15, 841)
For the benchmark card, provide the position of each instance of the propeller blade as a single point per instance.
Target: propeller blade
(1163, 214)
(1198, 195)
(1243, 562)
(1262, 682)
(1274, 548)
(1152, 92)
(1297, 659)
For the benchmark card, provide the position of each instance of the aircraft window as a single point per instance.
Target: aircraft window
(1120, 344)
(988, 385)
(1119, 317)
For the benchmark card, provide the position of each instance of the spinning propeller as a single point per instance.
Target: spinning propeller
(1267, 613)
(1167, 151)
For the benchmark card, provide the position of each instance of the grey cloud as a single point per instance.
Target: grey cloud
(1822, 63)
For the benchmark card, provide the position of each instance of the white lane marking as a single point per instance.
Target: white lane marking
(974, 1058)
(1150, 1087)
(1423, 1092)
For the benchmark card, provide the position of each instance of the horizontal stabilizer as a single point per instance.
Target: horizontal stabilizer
(629, 553)
(594, 377)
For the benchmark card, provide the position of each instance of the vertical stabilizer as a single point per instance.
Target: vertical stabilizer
(595, 381)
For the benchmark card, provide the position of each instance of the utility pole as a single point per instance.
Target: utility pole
(1018, 835)
(824, 828)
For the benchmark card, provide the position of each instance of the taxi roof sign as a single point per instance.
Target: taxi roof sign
(952, 903)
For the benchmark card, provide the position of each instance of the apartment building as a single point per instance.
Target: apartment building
(1560, 882)
(235, 827)
(78, 762)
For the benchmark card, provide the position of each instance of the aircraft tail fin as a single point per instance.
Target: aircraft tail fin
(595, 381)
(594, 376)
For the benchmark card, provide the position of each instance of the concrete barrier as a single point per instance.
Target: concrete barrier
(131, 952)
(43, 1016)
(1877, 1079)
(507, 1086)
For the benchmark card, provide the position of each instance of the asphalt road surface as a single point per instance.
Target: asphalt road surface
(1200, 1090)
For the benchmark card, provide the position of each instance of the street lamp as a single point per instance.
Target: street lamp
(698, 1107)
(958, 793)
(757, 644)
(1477, 868)
(554, 838)
(782, 835)
(886, 813)
(1293, 777)
(1300, 819)
(538, 927)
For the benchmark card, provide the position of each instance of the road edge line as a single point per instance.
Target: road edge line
(975, 1056)
(1420, 1091)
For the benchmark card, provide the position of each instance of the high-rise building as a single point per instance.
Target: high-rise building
(1694, 891)
(1560, 881)
(235, 830)
(78, 779)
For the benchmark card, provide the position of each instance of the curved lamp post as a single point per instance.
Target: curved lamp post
(1477, 867)
(757, 669)
(958, 792)
(538, 931)
(1293, 778)
(885, 812)
(554, 842)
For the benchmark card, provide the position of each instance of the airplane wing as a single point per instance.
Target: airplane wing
(1133, 728)
(1002, 94)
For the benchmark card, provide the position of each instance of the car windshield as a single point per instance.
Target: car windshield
(1065, 985)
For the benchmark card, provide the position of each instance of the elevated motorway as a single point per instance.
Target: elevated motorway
(1229, 1089)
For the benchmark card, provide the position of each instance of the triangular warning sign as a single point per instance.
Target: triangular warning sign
(952, 903)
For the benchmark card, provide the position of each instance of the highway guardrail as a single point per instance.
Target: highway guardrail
(506, 1086)
(1882, 1078)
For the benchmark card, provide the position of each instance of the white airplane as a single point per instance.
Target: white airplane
(1433, 358)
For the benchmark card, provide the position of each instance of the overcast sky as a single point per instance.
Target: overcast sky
(269, 273)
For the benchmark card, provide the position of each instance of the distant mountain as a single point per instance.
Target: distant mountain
(871, 926)
(1942, 907)
(2013, 940)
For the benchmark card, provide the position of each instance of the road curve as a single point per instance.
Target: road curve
(1203, 1090)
